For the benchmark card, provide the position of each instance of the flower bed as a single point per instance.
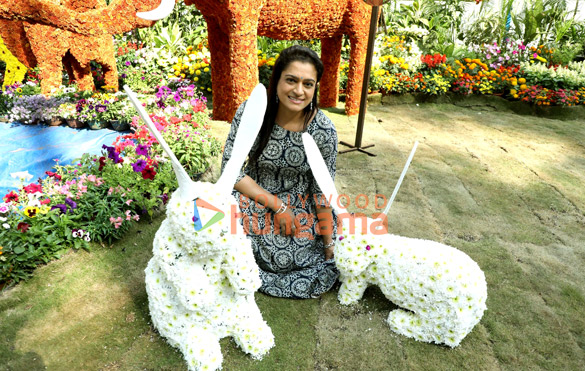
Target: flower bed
(98, 197)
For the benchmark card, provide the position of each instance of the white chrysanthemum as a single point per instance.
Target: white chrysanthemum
(442, 288)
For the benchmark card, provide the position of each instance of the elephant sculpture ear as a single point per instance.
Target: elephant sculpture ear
(164, 9)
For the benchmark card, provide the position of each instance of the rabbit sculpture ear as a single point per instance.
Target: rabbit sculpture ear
(250, 125)
(162, 11)
(319, 170)
(187, 187)
(324, 180)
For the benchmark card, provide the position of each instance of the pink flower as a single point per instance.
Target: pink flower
(128, 216)
(128, 202)
(92, 178)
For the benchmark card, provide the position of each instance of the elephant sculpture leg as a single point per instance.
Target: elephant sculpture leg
(330, 54)
(49, 59)
(243, 64)
(106, 58)
(355, 76)
(220, 71)
(110, 71)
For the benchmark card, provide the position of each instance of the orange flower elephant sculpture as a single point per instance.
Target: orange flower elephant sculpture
(233, 26)
(70, 33)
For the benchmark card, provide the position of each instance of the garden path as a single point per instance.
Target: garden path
(504, 188)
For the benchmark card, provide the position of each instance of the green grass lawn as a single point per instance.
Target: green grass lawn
(504, 188)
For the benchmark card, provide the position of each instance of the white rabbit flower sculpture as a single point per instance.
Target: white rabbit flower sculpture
(442, 289)
(202, 277)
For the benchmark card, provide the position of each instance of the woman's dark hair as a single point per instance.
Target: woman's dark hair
(295, 53)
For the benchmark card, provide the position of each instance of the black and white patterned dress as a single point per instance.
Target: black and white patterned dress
(291, 267)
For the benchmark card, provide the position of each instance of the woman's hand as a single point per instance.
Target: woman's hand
(286, 222)
(328, 251)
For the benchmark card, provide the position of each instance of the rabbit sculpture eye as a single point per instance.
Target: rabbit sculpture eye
(442, 289)
(202, 276)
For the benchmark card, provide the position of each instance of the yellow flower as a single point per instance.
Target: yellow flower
(206, 69)
(31, 211)
(198, 72)
(523, 87)
(404, 66)
(513, 91)
(196, 79)
(522, 80)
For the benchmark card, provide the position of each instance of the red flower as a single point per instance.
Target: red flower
(148, 173)
(53, 175)
(23, 227)
(187, 117)
(11, 197)
(175, 120)
(102, 163)
(45, 201)
(32, 188)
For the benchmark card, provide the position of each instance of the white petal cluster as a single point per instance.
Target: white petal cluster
(201, 285)
(442, 290)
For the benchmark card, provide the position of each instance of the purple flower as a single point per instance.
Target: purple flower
(139, 165)
(128, 63)
(142, 149)
(124, 75)
(177, 97)
(101, 108)
(60, 207)
(143, 78)
(71, 203)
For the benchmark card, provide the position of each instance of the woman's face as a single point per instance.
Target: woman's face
(296, 86)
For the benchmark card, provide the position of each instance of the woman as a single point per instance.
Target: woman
(277, 191)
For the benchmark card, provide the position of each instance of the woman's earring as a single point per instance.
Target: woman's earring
(311, 106)
(277, 99)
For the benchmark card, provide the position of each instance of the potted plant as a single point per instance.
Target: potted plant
(125, 114)
(68, 112)
(110, 112)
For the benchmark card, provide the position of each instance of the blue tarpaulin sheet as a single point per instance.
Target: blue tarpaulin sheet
(34, 148)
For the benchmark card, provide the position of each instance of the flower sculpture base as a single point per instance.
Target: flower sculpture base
(442, 288)
(201, 284)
